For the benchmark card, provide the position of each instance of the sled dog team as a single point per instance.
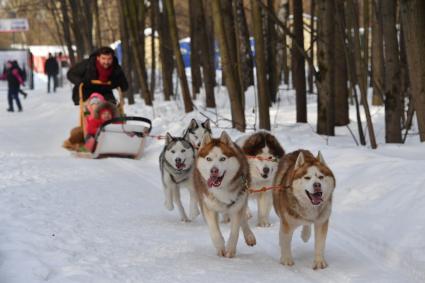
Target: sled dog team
(221, 174)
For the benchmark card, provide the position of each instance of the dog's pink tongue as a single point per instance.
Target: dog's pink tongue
(211, 181)
(316, 198)
(180, 165)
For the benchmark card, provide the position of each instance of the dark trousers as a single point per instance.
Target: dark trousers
(55, 82)
(12, 94)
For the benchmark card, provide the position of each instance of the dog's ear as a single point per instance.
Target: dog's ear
(206, 125)
(186, 135)
(320, 158)
(206, 139)
(168, 138)
(225, 138)
(300, 160)
(193, 124)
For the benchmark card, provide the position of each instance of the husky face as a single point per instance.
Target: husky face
(312, 184)
(264, 152)
(196, 131)
(217, 160)
(179, 153)
(263, 166)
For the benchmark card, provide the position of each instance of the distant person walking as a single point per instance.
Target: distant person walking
(14, 80)
(51, 69)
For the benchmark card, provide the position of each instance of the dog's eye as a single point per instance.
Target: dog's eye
(321, 177)
(183, 150)
(209, 159)
(173, 151)
(222, 158)
(307, 178)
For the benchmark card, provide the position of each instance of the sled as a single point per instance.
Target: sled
(122, 137)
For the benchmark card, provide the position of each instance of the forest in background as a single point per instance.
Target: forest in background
(351, 46)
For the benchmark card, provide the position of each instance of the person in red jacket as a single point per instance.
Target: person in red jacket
(14, 81)
(99, 111)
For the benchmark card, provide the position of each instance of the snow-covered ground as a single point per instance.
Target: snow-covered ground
(74, 220)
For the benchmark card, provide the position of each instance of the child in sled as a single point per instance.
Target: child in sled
(97, 112)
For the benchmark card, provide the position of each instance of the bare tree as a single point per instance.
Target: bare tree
(392, 74)
(298, 63)
(232, 82)
(169, 6)
(260, 63)
(413, 20)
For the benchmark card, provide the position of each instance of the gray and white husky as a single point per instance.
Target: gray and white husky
(176, 163)
(196, 131)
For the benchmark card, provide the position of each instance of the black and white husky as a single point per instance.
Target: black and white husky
(196, 131)
(176, 163)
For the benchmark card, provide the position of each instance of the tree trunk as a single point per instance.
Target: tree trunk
(260, 63)
(377, 55)
(195, 57)
(207, 58)
(76, 29)
(244, 53)
(232, 83)
(154, 24)
(298, 63)
(344, 24)
(97, 22)
(169, 6)
(341, 77)
(312, 40)
(66, 31)
(126, 53)
(165, 52)
(413, 20)
(270, 46)
(360, 69)
(129, 10)
(392, 74)
(326, 59)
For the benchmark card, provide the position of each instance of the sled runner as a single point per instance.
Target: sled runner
(120, 136)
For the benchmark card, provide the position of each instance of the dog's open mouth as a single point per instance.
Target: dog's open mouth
(315, 198)
(265, 176)
(215, 180)
(180, 165)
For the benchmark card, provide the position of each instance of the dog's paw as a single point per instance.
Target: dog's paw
(169, 204)
(250, 239)
(221, 252)
(319, 264)
(287, 261)
(230, 253)
(185, 219)
(263, 223)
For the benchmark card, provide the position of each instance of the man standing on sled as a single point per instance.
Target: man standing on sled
(99, 73)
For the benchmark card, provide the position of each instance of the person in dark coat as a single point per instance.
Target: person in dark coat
(102, 66)
(51, 69)
(14, 80)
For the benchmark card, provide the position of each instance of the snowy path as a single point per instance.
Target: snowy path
(77, 220)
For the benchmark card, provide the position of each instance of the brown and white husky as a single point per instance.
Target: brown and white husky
(264, 152)
(306, 198)
(221, 180)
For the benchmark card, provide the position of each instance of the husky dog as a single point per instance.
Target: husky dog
(221, 179)
(197, 130)
(176, 163)
(306, 198)
(264, 152)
